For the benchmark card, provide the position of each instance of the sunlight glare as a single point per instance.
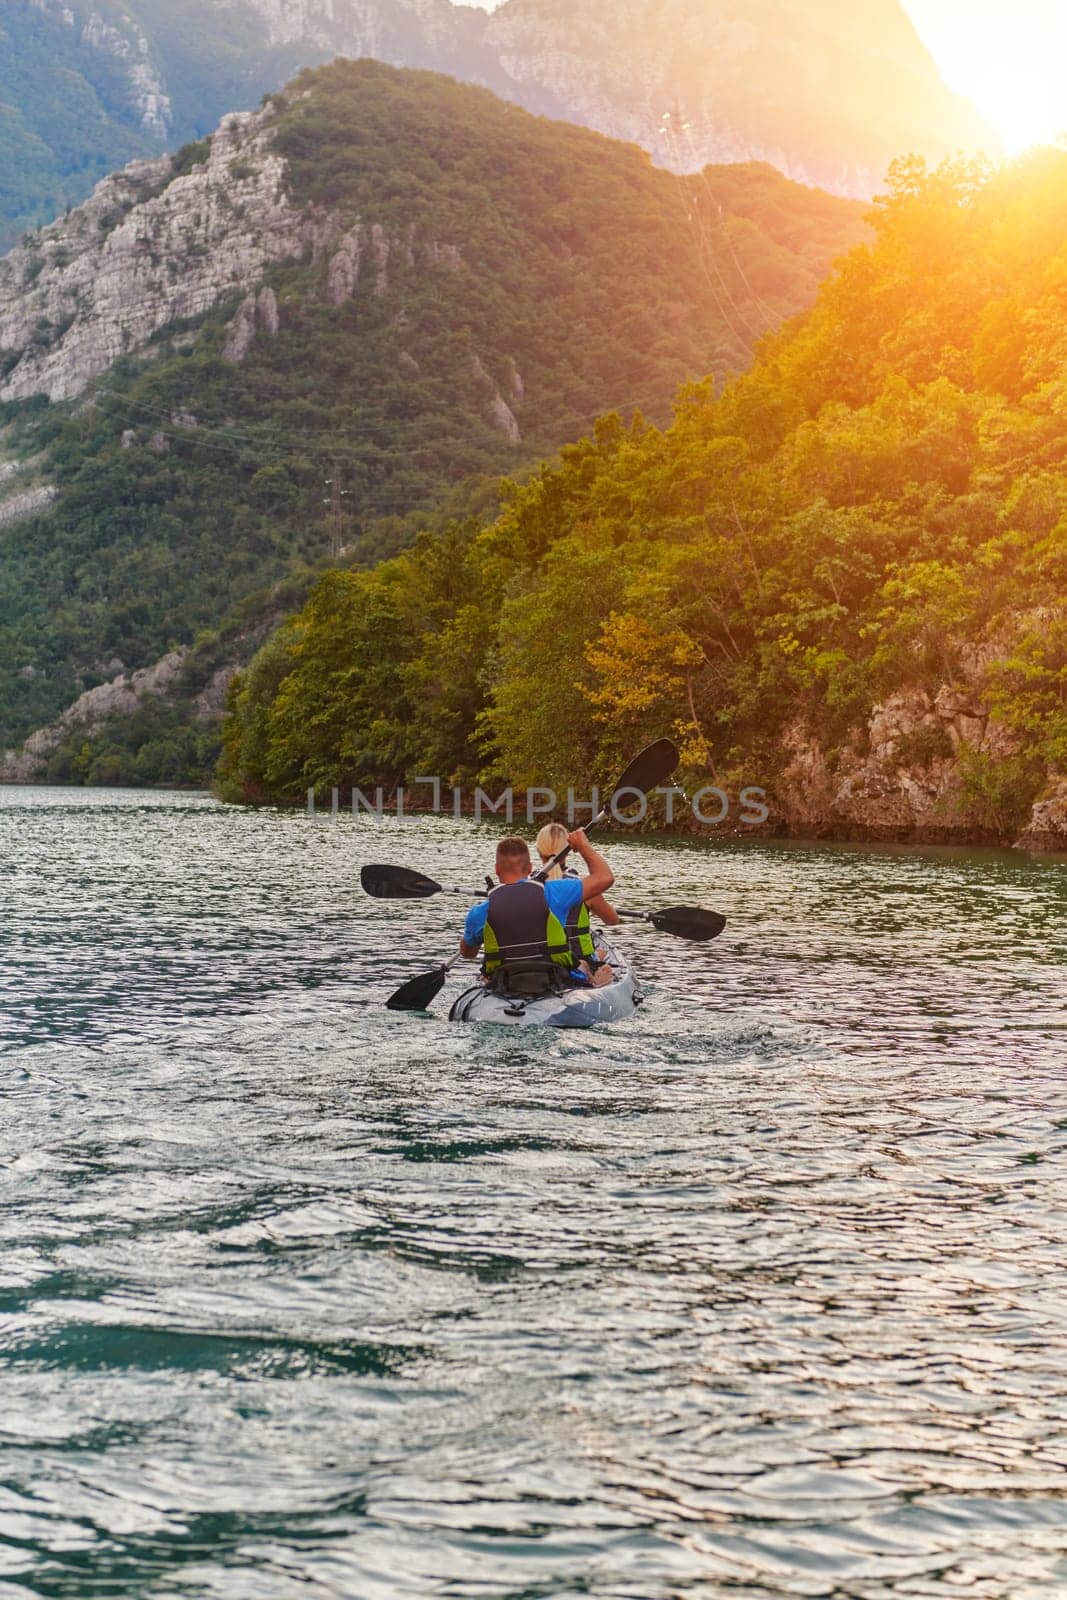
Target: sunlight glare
(1007, 56)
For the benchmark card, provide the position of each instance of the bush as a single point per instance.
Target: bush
(922, 746)
(997, 794)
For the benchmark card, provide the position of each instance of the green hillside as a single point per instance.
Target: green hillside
(503, 258)
(879, 507)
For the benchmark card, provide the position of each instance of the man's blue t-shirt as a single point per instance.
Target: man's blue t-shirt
(562, 894)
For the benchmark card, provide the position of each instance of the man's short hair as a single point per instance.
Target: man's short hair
(513, 849)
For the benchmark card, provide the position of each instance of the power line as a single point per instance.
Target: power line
(771, 319)
(743, 328)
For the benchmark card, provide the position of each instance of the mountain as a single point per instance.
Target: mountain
(827, 91)
(840, 579)
(382, 289)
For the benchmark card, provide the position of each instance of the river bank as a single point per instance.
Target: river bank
(812, 814)
(885, 820)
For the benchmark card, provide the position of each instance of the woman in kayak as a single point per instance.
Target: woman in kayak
(550, 841)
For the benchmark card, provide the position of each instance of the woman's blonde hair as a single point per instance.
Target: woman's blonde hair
(550, 842)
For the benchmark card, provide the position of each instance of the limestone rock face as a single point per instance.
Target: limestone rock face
(693, 81)
(344, 267)
(211, 701)
(497, 410)
(120, 697)
(358, 27)
(164, 680)
(828, 91)
(121, 37)
(1047, 827)
(257, 313)
(266, 313)
(150, 248)
(129, 45)
(902, 780)
(147, 248)
(25, 503)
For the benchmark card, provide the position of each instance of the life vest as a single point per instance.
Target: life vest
(521, 934)
(580, 934)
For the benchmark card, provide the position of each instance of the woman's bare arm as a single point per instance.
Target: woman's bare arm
(607, 914)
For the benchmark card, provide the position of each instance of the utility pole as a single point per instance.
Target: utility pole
(334, 503)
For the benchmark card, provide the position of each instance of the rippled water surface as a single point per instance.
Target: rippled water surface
(762, 1294)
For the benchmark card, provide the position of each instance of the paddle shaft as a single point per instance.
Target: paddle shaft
(482, 894)
(401, 883)
(653, 766)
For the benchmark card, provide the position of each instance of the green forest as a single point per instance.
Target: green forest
(880, 501)
(526, 258)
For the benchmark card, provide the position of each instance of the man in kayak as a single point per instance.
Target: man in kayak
(523, 924)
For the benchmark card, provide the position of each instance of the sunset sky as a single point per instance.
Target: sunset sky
(1007, 55)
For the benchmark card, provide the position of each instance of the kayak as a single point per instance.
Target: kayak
(581, 1007)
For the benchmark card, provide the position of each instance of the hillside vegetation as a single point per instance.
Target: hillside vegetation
(876, 511)
(506, 280)
(64, 118)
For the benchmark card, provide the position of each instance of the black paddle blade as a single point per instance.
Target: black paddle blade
(397, 883)
(418, 994)
(688, 922)
(651, 768)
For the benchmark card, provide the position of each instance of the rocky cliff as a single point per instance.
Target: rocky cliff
(826, 91)
(162, 242)
(841, 576)
(120, 696)
(905, 777)
(150, 247)
(908, 775)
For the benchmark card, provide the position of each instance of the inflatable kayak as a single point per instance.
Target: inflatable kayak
(581, 1007)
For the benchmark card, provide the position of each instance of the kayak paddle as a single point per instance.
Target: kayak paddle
(419, 994)
(646, 771)
(400, 883)
(685, 922)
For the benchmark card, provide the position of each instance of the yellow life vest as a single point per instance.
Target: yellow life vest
(580, 934)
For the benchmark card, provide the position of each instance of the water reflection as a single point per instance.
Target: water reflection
(763, 1294)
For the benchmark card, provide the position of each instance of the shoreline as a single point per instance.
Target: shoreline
(777, 832)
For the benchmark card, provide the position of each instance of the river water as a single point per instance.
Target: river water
(762, 1294)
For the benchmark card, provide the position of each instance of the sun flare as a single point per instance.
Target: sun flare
(1007, 56)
